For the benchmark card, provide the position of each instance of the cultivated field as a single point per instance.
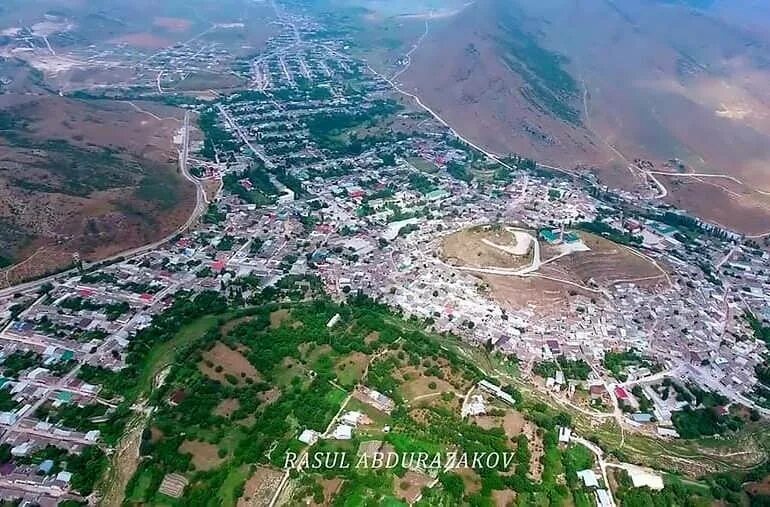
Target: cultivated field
(227, 406)
(260, 487)
(409, 487)
(204, 455)
(512, 423)
(223, 364)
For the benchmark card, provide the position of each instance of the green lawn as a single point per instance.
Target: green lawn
(393, 502)
(351, 372)
(286, 371)
(141, 489)
(335, 396)
(230, 487)
(421, 164)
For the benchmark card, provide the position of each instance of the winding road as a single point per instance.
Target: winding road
(415, 47)
(201, 203)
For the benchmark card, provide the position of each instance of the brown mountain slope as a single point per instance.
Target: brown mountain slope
(604, 82)
(478, 69)
(90, 177)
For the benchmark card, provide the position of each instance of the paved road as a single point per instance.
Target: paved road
(415, 47)
(600, 459)
(200, 208)
(268, 163)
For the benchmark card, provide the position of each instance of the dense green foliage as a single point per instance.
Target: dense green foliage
(216, 139)
(675, 493)
(610, 233)
(336, 132)
(576, 369)
(253, 186)
(617, 363)
(301, 362)
(694, 423)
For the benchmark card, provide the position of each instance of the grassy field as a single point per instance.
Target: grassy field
(229, 492)
(423, 165)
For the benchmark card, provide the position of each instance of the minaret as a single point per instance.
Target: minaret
(77, 261)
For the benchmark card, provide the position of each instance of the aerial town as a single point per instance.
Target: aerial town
(607, 303)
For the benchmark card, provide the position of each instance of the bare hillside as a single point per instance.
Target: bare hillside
(490, 77)
(606, 82)
(93, 177)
